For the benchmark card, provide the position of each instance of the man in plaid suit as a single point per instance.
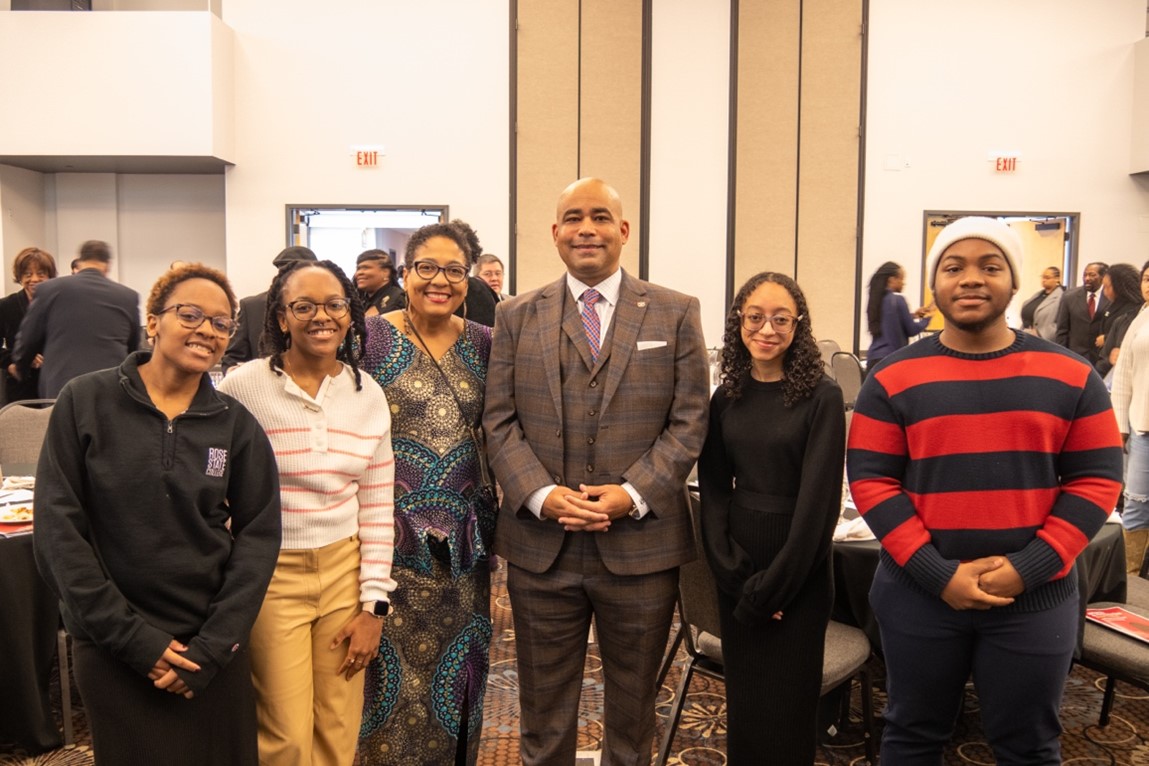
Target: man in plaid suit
(596, 411)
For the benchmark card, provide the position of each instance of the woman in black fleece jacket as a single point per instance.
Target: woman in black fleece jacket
(157, 525)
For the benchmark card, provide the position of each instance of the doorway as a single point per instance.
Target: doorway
(1048, 239)
(340, 233)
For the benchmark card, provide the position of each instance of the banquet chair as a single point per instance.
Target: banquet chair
(848, 372)
(828, 348)
(847, 648)
(22, 428)
(1119, 657)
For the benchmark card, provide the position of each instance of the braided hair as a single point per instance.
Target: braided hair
(274, 341)
(802, 362)
(878, 284)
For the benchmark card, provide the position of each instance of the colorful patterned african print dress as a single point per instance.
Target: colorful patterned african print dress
(424, 695)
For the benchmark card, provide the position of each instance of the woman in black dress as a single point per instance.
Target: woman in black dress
(158, 526)
(31, 267)
(770, 477)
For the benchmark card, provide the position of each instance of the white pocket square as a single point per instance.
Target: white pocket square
(643, 345)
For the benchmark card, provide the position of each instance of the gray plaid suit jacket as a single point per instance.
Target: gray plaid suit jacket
(652, 420)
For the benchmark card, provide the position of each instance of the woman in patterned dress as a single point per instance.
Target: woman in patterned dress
(424, 692)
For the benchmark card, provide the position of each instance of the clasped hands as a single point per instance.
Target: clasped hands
(163, 673)
(983, 584)
(590, 508)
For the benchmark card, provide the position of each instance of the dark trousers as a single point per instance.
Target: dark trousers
(1019, 662)
(552, 614)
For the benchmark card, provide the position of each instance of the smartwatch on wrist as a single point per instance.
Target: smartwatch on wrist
(381, 609)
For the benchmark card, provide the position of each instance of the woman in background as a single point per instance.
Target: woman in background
(769, 505)
(1039, 313)
(157, 525)
(1122, 288)
(31, 267)
(1130, 396)
(890, 323)
(330, 427)
(425, 692)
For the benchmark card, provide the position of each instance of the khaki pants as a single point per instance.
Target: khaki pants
(308, 714)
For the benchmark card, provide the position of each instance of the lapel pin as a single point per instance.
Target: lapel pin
(642, 304)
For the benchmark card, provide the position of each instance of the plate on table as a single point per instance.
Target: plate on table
(16, 514)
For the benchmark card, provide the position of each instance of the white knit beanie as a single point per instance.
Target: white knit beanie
(977, 227)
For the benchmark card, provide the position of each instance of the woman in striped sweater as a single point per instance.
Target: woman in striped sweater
(330, 428)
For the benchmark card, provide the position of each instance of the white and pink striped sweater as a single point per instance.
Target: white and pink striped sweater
(336, 467)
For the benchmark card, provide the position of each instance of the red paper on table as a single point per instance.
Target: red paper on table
(1122, 620)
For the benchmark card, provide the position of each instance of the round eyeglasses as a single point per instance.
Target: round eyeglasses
(454, 272)
(192, 317)
(303, 309)
(783, 324)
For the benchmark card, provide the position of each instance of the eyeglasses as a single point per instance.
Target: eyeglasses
(192, 317)
(783, 324)
(428, 270)
(303, 309)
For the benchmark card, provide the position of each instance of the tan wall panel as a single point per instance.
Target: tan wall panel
(828, 170)
(611, 97)
(767, 130)
(547, 125)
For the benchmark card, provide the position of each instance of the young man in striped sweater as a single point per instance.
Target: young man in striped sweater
(984, 460)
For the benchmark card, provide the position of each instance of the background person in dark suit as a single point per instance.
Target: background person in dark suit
(244, 345)
(1077, 327)
(592, 449)
(79, 324)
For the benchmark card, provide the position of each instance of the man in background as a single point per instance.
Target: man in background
(1081, 311)
(489, 268)
(244, 346)
(81, 323)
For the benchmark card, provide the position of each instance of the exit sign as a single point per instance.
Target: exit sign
(367, 156)
(1004, 161)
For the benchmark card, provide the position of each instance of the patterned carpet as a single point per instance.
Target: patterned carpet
(701, 734)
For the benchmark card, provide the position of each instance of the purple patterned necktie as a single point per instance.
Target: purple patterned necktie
(590, 322)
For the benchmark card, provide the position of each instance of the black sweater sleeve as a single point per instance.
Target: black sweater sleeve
(66, 557)
(730, 564)
(253, 499)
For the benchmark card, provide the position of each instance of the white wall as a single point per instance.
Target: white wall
(688, 156)
(429, 81)
(951, 80)
(112, 84)
(22, 218)
(164, 218)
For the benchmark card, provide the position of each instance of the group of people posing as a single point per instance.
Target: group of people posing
(295, 568)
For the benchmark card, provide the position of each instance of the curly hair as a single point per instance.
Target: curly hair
(274, 341)
(170, 279)
(802, 363)
(32, 257)
(1126, 283)
(459, 232)
(878, 284)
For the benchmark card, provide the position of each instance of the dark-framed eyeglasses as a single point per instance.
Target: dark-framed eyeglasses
(304, 310)
(428, 270)
(783, 324)
(191, 317)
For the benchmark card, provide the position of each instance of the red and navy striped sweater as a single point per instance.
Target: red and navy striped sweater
(957, 456)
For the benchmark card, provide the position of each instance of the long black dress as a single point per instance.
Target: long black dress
(768, 541)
